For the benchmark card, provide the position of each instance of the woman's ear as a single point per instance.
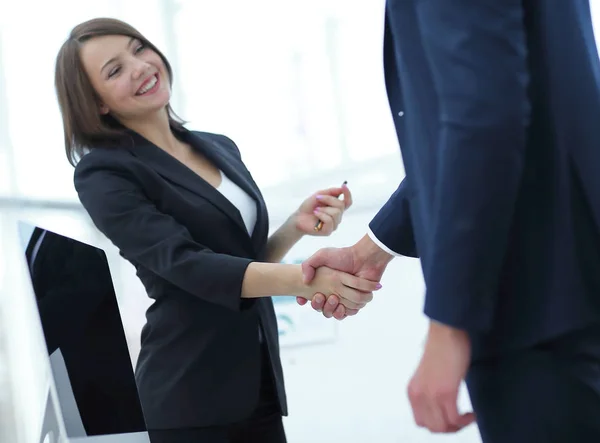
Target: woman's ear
(103, 109)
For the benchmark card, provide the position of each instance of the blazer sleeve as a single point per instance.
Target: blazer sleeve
(477, 55)
(392, 226)
(119, 208)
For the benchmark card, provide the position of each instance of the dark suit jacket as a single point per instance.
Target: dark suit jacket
(496, 110)
(200, 360)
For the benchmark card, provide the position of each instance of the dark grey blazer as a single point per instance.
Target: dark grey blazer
(199, 363)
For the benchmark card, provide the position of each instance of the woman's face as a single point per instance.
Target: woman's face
(130, 79)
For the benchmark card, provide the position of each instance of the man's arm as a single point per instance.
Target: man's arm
(477, 56)
(392, 229)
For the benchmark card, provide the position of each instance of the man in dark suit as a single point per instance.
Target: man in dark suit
(496, 109)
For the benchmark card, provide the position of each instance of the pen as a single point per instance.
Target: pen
(319, 224)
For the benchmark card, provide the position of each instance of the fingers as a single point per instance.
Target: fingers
(455, 421)
(347, 196)
(310, 266)
(334, 192)
(329, 306)
(318, 302)
(350, 302)
(344, 285)
(427, 415)
(438, 413)
(330, 213)
(330, 201)
(435, 419)
(330, 219)
(326, 305)
(332, 307)
(353, 299)
(360, 284)
(341, 312)
(466, 419)
(349, 312)
(308, 270)
(425, 412)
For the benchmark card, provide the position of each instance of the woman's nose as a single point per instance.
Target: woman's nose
(140, 69)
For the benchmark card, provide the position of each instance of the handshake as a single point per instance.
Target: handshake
(359, 267)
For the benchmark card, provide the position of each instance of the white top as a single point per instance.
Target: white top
(245, 204)
(241, 200)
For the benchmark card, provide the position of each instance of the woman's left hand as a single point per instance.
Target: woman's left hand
(323, 206)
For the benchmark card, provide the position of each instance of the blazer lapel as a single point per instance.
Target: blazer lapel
(232, 166)
(175, 171)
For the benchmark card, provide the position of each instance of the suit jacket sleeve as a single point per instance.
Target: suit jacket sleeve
(392, 225)
(477, 55)
(120, 210)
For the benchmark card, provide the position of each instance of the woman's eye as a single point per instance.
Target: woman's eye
(114, 71)
(140, 48)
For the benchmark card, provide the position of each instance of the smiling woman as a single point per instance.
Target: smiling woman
(146, 68)
(182, 207)
(113, 61)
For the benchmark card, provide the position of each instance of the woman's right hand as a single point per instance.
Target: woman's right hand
(353, 292)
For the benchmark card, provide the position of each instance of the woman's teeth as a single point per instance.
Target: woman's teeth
(148, 86)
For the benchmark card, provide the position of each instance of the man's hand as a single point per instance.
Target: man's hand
(433, 390)
(365, 259)
(354, 292)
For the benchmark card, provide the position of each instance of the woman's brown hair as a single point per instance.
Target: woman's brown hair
(84, 126)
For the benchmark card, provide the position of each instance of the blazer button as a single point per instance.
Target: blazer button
(401, 114)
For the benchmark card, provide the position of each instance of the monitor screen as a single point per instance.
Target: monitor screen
(84, 335)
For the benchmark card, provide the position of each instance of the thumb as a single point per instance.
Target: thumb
(466, 420)
(308, 271)
(309, 266)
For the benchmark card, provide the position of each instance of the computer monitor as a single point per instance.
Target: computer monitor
(85, 339)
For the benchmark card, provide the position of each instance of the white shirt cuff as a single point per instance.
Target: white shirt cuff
(380, 244)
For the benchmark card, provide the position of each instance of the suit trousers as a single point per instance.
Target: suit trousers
(265, 425)
(549, 393)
